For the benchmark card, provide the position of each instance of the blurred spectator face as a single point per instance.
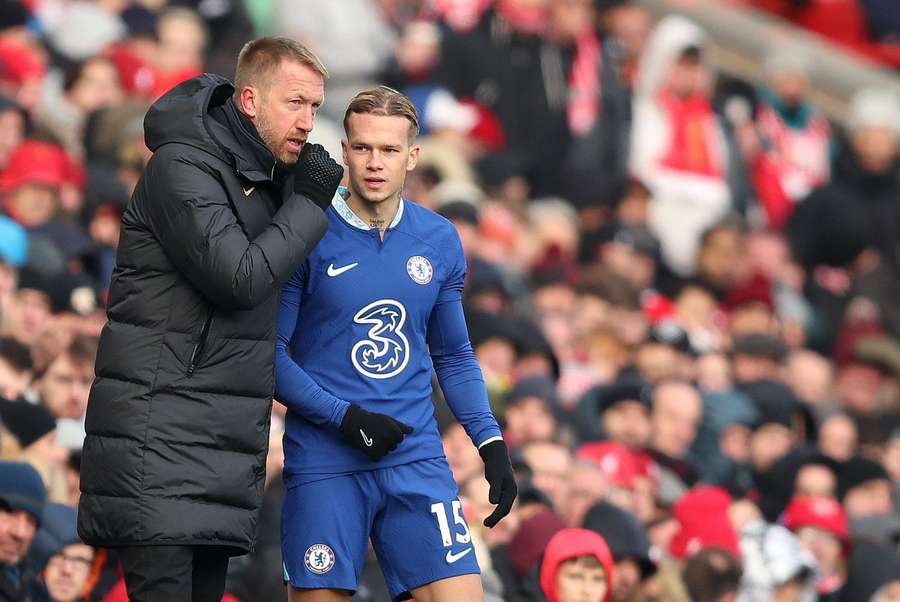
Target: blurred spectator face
(734, 443)
(47, 452)
(634, 207)
(477, 507)
(769, 443)
(687, 75)
(827, 549)
(67, 572)
(753, 318)
(12, 132)
(567, 19)
(497, 358)
(870, 498)
(626, 580)
(630, 24)
(720, 256)
(418, 49)
(551, 466)
(31, 312)
(378, 154)
(656, 362)
(677, 409)
(748, 368)
(462, 456)
(625, 261)
(790, 86)
(815, 480)
(17, 529)
(13, 382)
(529, 419)
(628, 423)
(65, 386)
(581, 580)
(281, 125)
(696, 309)
(876, 148)
(33, 204)
(182, 39)
(555, 298)
(810, 377)
(838, 437)
(891, 458)
(713, 373)
(858, 386)
(97, 86)
(588, 486)
(888, 593)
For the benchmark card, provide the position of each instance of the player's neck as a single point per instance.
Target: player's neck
(376, 215)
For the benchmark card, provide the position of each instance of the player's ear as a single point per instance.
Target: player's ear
(345, 151)
(248, 100)
(413, 158)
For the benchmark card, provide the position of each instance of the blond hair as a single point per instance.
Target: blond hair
(385, 101)
(259, 59)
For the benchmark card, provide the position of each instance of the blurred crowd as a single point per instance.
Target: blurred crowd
(682, 288)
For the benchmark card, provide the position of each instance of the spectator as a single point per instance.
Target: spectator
(70, 569)
(624, 410)
(676, 415)
(628, 545)
(712, 575)
(577, 567)
(776, 566)
(689, 174)
(530, 412)
(22, 499)
(64, 386)
(16, 369)
(821, 526)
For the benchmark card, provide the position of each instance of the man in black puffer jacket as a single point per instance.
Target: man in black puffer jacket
(178, 418)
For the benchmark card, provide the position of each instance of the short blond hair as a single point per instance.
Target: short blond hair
(259, 59)
(385, 101)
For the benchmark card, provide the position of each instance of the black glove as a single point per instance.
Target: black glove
(317, 175)
(499, 474)
(373, 434)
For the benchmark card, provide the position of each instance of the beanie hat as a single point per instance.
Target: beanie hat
(624, 533)
(26, 421)
(702, 514)
(530, 541)
(21, 488)
(857, 471)
(820, 512)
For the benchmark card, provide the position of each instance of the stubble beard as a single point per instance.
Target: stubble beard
(273, 141)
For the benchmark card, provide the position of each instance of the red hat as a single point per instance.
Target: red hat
(487, 129)
(820, 512)
(614, 459)
(19, 63)
(574, 543)
(703, 515)
(34, 162)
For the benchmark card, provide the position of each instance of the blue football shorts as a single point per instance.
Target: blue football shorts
(411, 512)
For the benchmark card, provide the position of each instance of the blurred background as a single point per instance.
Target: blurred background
(681, 220)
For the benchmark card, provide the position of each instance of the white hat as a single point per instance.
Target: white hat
(875, 107)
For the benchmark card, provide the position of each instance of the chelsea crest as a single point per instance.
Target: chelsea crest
(419, 269)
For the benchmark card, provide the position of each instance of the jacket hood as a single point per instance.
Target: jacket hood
(572, 543)
(669, 39)
(182, 116)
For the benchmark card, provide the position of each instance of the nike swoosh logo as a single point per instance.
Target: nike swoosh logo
(248, 191)
(333, 271)
(366, 440)
(451, 557)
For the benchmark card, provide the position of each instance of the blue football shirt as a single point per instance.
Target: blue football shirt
(365, 321)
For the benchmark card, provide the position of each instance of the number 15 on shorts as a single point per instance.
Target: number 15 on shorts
(460, 528)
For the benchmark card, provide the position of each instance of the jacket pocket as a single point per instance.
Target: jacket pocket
(200, 344)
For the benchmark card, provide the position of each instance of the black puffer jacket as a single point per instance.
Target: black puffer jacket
(178, 416)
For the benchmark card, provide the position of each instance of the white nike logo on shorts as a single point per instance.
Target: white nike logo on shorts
(366, 440)
(333, 271)
(451, 557)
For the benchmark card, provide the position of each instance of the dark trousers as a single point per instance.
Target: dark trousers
(174, 573)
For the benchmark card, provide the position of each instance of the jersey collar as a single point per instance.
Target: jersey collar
(339, 202)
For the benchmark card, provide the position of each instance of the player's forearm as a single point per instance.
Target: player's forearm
(463, 385)
(296, 389)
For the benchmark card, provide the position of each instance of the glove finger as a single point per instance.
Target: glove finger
(402, 427)
(493, 518)
(493, 493)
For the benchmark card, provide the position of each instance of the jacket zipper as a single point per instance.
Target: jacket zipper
(198, 347)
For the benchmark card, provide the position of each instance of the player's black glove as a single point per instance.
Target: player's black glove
(317, 175)
(373, 434)
(499, 474)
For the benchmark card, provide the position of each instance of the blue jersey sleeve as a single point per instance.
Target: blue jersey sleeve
(454, 360)
(293, 386)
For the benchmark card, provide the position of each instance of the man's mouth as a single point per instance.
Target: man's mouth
(295, 144)
(375, 183)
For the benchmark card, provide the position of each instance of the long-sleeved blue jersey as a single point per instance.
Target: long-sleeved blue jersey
(364, 321)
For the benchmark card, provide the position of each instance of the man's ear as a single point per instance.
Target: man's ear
(413, 159)
(249, 101)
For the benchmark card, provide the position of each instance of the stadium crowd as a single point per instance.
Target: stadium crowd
(682, 288)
